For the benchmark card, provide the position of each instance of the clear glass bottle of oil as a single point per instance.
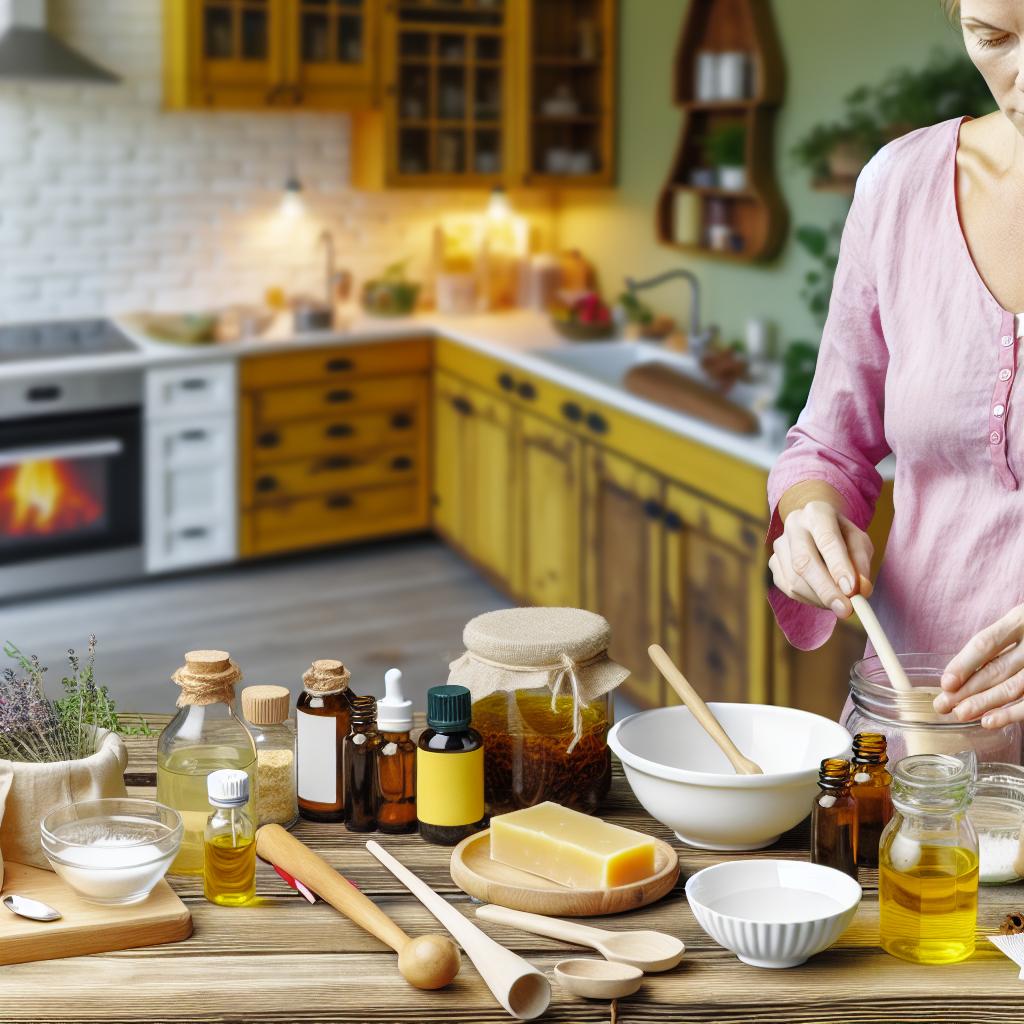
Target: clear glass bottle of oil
(203, 736)
(229, 860)
(928, 861)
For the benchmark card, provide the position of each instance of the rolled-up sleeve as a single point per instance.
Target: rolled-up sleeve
(840, 435)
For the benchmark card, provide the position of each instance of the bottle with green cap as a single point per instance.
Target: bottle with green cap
(449, 769)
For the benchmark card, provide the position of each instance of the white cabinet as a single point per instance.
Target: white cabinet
(191, 466)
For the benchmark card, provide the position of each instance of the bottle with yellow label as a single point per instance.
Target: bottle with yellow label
(449, 769)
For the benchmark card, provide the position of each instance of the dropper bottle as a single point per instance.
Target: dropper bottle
(396, 759)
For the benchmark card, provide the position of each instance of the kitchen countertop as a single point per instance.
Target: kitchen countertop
(513, 337)
(281, 960)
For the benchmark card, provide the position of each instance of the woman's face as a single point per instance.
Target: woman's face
(994, 36)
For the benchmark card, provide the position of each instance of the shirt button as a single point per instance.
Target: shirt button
(1004, 374)
(1006, 340)
(998, 410)
(995, 437)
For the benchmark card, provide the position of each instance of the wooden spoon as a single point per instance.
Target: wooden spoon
(700, 711)
(886, 655)
(648, 951)
(598, 979)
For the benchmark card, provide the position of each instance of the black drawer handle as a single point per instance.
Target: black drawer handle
(401, 462)
(401, 421)
(527, 390)
(506, 382)
(340, 430)
(652, 509)
(673, 522)
(194, 435)
(335, 462)
(194, 532)
(264, 484)
(572, 412)
(339, 501)
(44, 393)
(339, 365)
(597, 423)
(341, 395)
(268, 439)
(462, 405)
(193, 384)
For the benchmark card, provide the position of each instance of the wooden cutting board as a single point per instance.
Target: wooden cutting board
(85, 927)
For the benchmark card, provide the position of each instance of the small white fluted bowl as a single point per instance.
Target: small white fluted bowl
(681, 777)
(773, 913)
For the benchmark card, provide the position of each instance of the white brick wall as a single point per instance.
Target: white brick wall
(109, 204)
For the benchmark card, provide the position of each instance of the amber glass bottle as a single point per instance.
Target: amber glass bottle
(362, 788)
(323, 718)
(834, 819)
(396, 759)
(871, 787)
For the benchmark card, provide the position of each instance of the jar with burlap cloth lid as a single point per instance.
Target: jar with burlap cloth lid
(541, 680)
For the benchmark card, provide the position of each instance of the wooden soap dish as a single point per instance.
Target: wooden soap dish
(476, 874)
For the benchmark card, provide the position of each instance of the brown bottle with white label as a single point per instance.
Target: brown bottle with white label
(323, 717)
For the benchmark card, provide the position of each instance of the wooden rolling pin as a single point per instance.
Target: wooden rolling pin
(427, 962)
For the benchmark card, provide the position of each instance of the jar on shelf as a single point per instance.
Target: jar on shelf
(541, 682)
(997, 814)
(908, 721)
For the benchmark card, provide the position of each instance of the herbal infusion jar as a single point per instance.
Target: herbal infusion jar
(928, 861)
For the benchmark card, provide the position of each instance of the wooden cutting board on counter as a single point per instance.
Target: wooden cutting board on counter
(85, 927)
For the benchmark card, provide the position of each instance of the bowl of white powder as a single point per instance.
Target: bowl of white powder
(997, 814)
(111, 851)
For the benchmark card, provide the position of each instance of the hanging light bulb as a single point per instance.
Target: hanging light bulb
(292, 205)
(498, 206)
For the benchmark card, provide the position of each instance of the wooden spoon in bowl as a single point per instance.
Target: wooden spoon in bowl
(701, 712)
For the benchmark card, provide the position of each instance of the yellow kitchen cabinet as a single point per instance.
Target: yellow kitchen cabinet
(548, 506)
(623, 563)
(270, 54)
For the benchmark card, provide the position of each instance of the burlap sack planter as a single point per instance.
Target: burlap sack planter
(29, 791)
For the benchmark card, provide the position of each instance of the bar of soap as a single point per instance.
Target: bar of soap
(573, 849)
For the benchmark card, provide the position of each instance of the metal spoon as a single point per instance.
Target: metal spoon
(598, 979)
(34, 910)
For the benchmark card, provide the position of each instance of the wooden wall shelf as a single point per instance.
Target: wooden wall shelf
(728, 76)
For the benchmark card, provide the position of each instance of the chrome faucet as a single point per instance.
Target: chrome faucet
(698, 339)
(326, 239)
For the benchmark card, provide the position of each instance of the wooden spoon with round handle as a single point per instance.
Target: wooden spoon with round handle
(700, 711)
(886, 655)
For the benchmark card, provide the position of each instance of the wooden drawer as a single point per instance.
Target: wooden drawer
(341, 362)
(279, 405)
(328, 473)
(333, 518)
(339, 434)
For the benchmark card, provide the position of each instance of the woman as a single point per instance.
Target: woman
(919, 357)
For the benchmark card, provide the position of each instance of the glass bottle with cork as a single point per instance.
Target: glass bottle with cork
(362, 789)
(323, 718)
(870, 786)
(396, 759)
(266, 710)
(229, 868)
(205, 735)
(449, 769)
(834, 819)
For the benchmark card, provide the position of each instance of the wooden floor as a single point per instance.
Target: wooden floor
(399, 603)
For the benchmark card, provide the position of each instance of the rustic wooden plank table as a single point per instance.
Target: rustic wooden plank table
(281, 960)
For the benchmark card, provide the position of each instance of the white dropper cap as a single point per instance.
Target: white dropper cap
(394, 712)
(227, 787)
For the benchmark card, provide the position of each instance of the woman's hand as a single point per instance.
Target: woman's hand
(821, 558)
(986, 679)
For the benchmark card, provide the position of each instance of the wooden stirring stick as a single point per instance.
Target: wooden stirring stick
(689, 696)
(886, 655)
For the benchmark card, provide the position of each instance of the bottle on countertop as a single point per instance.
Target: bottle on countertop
(449, 769)
(323, 718)
(229, 863)
(396, 759)
(266, 710)
(871, 787)
(362, 788)
(205, 735)
(834, 819)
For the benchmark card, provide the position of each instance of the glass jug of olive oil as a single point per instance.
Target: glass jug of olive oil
(928, 861)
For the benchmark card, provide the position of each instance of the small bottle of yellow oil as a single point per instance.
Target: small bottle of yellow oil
(229, 861)
(928, 862)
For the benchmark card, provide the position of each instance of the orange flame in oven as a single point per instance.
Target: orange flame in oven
(44, 497)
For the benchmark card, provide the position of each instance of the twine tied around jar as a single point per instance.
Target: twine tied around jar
(207, 677)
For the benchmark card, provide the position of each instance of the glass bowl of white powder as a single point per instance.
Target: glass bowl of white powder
(997, 814)
(112, 851)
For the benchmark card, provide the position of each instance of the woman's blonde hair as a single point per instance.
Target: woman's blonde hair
(951, 7)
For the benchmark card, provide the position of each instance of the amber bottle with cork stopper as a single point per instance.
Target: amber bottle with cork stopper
(266, 710)
(323, 718)
(871, 787)
(396, 759)
(834, 819)
(204, 736)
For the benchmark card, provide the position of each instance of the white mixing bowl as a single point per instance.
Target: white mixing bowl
(773, 913)
(683, 779)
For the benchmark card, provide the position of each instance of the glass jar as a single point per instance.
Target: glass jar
(908, 721)
(997, 814)
(928, 861)
(266, 711)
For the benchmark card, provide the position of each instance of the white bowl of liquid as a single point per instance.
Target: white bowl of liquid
(111, 851)
(773, 913)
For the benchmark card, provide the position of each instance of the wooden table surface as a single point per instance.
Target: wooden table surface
(280, 959)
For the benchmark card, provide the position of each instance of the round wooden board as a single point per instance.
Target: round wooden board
(475, 873)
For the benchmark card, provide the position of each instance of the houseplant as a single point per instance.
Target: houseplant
(391, 294)
(726, 150)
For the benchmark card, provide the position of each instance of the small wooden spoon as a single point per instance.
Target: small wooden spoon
(886, 655)
(598, 979)
(689, 696)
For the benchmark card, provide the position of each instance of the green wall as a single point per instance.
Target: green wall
(829, 47)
